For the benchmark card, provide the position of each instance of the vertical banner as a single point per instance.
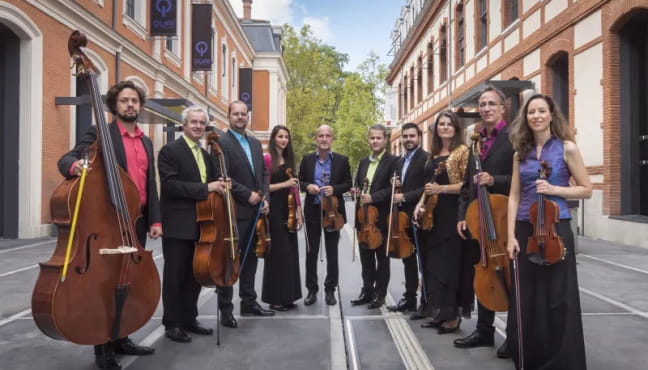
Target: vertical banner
(201, 37)
(245, 87)
(163, 18)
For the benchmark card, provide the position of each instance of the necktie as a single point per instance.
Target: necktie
(201, 163)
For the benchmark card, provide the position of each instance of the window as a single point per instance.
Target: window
(443, 55)
(461, 42)
(233, 73)
(130, 8)
(482, 29)
(134, 16)
(510, 10)
(430, 67)
(411, 88)
(419, 80)
(224, 62)
(405, 89)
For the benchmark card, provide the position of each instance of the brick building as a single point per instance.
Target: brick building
(41, 105)
(590, 55)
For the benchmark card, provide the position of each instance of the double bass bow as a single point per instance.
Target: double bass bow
(486, 218)
(216, 257)
(112, 287)
(545, 247)
(430, 201)
(399, 244)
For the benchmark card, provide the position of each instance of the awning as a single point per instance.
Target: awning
(509, 88)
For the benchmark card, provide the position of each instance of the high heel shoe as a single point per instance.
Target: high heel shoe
(443, 329)
(432, 324)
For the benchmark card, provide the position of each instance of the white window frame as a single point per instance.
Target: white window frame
(137, 23)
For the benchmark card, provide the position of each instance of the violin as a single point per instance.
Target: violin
(486, 218)
(263, 236)
(216, 259)
(430, 201)
(112, 287)
(399, 244)
(545, 247)
(332, 219)
(369, 236)
(292, 222)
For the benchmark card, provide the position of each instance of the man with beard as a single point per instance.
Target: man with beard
(410, 170)
(246, 168)
(377, 170)
(134, 153)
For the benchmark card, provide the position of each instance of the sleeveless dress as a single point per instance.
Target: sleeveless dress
(281, 281)
(550, 303)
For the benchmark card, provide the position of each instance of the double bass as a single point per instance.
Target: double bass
(545, 247)
(216, 257)
(486, 218)
(107, 286)
(399, 244)
(369, 235)
(430, 201)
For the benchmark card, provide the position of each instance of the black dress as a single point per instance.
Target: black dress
(281, 281)
(448, 293)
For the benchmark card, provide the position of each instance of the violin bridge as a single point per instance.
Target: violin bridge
(119, 250)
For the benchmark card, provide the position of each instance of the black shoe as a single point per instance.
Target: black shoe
(403, 305)
(107, 361)
(503, 351)
(290, 306)
(310, 298)
(376, 303)
(476, 339)
(329, 298)
(443, 329)
(255, 309)
(128, 347)
(227, 319)
(365, 297)
(177, 334)
(432, 324)
(197, 328)
(418, 315)
(279, 307)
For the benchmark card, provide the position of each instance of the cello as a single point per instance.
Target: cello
(369, 235)
(216, 257)
(113, 287)
(399, 244)
(430, 201)
(545, 247)
(486, 217)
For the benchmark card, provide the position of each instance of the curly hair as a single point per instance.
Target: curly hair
(111, 96)
(288, 153)
(521, 135)
(457, 139)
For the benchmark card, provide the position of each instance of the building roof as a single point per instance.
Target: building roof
(261, 35)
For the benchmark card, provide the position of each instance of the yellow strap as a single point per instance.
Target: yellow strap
(75, 215)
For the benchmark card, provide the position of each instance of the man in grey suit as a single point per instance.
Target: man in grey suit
(245, 166)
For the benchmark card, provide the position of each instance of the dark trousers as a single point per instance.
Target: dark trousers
(375, 270)
(485, 319)
(180, 290)
(411, 267)
(314, 228)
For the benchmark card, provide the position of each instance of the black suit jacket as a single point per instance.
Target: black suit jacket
(151, 211)
(244, 180)
(414, 181)
(340, 179)
(181, 187)
(380, 188)
(498, 163)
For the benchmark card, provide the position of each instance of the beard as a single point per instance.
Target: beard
(128, 118)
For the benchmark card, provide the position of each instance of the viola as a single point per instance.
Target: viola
(430, 201)
(399, 244)
(263, 236)
(545, 247)
(332, 219)
(216, 259)
(113, 287)
(486, 219)
(369, 236)
(292, 221)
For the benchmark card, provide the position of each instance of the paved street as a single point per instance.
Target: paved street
(613, 281)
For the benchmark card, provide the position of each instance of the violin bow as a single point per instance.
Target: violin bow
(391, 214)
(518, 308)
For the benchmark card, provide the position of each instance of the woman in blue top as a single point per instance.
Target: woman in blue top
(552, 328)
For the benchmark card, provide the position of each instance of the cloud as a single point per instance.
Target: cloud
(321, 27)
(276, 11)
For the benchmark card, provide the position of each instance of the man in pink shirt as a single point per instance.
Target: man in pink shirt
(134, 153)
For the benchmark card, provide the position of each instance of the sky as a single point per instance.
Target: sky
(353, 27)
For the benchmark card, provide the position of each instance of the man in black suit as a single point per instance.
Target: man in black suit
(187, 175)
(134, 153)
(323, 173)
(377, 169)
(410, 170)
(246, 168)
(497, 165)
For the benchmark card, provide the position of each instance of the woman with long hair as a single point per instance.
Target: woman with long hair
(281, 282)
(446, 295)
(552, 328)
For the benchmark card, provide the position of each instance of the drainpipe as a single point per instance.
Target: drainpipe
(449, 54)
